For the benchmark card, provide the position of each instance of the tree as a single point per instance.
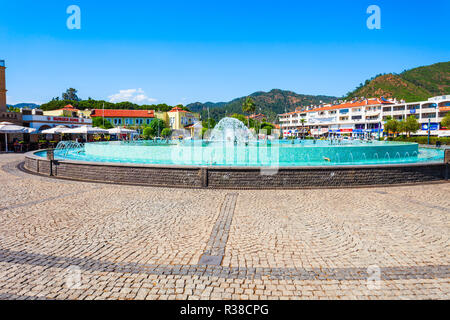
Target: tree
(158, 125)
(302, 121)
(391, 125)
(204, 132)
(411, 125)
(166, 132)
(240, 117)
(148, 132)
(243, 119)
(98, 122)
(249, 106)
(446, 121)
(401, 126)
(268, 129)
(210, 123)
(70, 94)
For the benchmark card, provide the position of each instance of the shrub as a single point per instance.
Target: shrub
(268, 129)
(422, 139)
(166, 132)
(98, 122)
(149, 132)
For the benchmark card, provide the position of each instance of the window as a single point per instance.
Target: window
(148, 121)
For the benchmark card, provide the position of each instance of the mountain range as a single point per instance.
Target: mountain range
(23, 105)
(270, 103)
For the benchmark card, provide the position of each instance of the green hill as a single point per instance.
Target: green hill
(269, 103)
(411, 85)
(434, 78)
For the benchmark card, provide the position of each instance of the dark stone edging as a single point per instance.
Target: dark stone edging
(340, 274)
(238, 177)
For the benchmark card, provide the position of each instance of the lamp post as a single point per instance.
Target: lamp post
(379, 130)
(429, 123)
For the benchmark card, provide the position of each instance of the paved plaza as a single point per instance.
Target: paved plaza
(63, 239)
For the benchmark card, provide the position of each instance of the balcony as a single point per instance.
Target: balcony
(429, 110)
(399, 112)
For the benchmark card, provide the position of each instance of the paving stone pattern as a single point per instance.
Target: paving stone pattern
(63, 239)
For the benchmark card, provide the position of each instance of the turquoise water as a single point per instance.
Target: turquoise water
(263, 153)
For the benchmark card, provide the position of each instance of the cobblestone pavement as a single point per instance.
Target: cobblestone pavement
(62, 239)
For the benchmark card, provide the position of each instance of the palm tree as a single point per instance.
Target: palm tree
(303, 125)
(248, 106)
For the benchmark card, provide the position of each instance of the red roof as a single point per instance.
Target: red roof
(368, 102)
(177, 109)
(253, 116)
(69, 107)
(118, 113)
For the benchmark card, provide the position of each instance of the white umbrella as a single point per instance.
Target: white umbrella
(55, 130)
(85, 130)
(6, 127)
(121, 131)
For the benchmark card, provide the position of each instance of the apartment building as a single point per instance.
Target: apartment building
(364, 116)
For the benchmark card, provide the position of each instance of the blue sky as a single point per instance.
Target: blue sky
(186, 51)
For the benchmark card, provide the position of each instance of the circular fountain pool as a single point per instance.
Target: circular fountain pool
(233, 158)
(251, 154)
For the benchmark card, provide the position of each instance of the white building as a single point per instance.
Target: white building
(37, 120)
(366, 116)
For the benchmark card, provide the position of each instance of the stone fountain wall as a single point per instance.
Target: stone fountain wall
(238, 177)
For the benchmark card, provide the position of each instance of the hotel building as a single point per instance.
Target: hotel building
(365, 116)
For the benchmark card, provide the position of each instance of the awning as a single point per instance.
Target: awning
(85, 130)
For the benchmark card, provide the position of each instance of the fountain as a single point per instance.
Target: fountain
(64, 147)
(231, 130)
(231, 143)
(233, 157)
